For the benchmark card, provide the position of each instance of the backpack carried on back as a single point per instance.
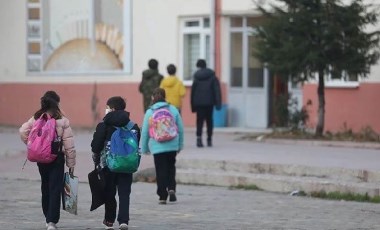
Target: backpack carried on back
(162, 125)
(43, 143)
(122, 151)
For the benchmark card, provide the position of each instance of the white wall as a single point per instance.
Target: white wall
(244, 7)
(12, 40)
(156, 32)
(155, 35)
(234, 6)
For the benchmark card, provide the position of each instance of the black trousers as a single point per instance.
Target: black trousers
(204, 114)
(51, 188)
(122, 183)
(165, 173)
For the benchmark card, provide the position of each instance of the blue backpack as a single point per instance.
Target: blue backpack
(122, 151)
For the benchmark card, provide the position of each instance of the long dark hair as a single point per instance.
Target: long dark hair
(49, 104)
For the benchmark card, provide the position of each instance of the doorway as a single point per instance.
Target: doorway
(249, 79)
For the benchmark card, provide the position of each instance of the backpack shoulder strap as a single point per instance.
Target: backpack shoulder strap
(130, 125)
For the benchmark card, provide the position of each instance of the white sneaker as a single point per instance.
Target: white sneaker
(51, 226)
(123, 226)
(107, 225)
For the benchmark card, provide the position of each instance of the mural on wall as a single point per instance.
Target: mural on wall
(78, 36)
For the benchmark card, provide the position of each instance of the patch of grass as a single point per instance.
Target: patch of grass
(246, 187)
(366, 134)
(345, 196)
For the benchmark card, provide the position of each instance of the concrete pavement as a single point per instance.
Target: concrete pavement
(205, 207)
(198, 208)
(228, 147)
(300, 159)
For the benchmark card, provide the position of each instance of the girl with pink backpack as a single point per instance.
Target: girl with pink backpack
(162, 136)
(49, 141)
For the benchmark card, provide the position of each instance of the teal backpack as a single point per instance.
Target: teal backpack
(122, 151)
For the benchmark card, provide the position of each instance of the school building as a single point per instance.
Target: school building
(90, 50)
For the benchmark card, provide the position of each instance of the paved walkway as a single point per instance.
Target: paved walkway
(198, 207)
(226, 147)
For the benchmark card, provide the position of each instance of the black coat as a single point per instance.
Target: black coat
(205, 90)
(104, 130)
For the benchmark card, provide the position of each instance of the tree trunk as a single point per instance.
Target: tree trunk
(321, 106)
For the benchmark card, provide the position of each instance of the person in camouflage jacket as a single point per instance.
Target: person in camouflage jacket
(151, 79)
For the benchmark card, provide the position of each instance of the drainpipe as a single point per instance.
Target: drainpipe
(215, 40)
(212, 33)
(91, 26)
(218, 38)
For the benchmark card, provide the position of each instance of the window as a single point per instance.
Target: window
(196, 45)
(336, 79)
(236, 79)
(236, 22)
(78, 36)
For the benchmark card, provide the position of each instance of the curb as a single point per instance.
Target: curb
(340, 144)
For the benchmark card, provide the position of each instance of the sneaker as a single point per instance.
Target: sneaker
(172, 196)
(123, 226)
(108, 225)
(51, 226)
(162, 202)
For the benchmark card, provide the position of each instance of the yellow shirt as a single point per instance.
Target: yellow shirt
(174, 90)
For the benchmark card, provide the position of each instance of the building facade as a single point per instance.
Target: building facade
(90, 50)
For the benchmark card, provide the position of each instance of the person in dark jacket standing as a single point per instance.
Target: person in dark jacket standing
(151, 79)
(115, 116)
(205, 94)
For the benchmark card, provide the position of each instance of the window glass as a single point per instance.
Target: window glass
(237, 22)
(256, 77)
(196, 45)
(192, 24)
(255, 21)
(236, 60)
(208, 50)
(191, 54)
(206, 22)
(255, 69)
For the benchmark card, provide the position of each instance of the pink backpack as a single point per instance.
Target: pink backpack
(162, 125)
(40, 140)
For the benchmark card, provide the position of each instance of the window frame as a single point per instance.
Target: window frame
(342, 82)
(203, 33)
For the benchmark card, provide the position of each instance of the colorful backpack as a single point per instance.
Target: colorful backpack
(41, 139)
(122, 151)
(162, 125)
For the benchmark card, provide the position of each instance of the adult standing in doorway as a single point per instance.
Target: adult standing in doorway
(151, 80)
(205, 94)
